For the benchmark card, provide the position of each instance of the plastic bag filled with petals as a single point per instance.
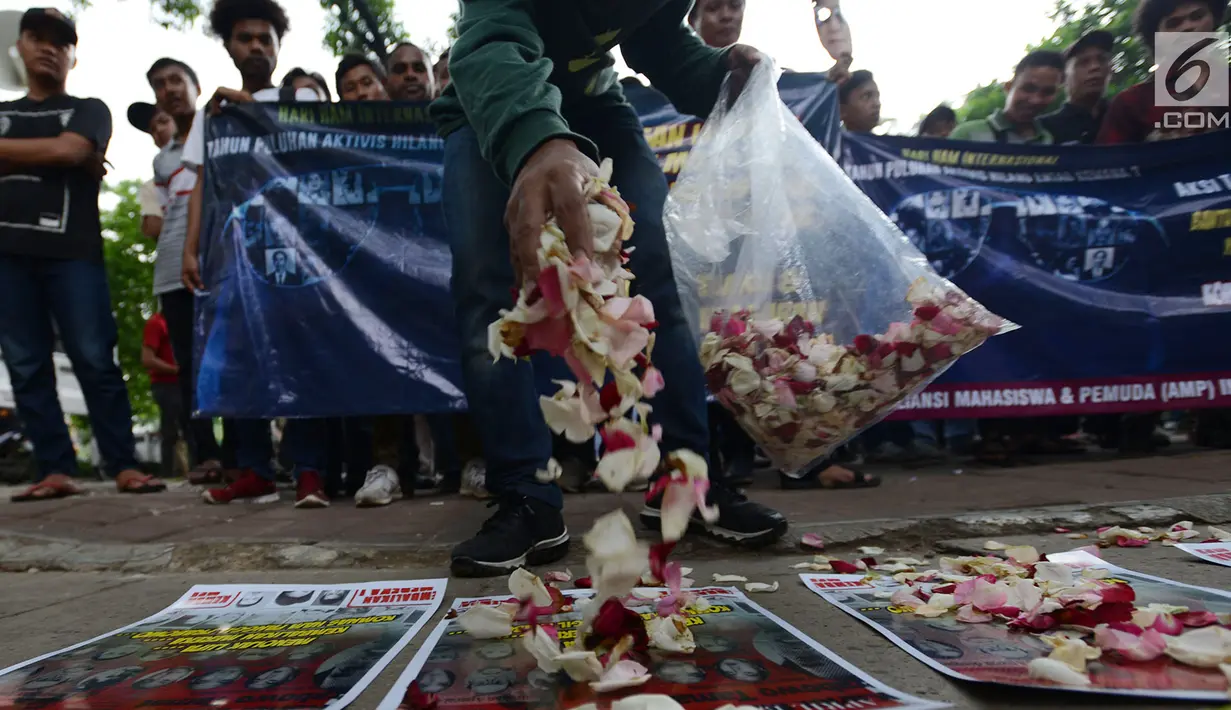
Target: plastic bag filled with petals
(816, 315)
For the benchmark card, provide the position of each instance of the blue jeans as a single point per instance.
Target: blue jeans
(304, 445)
(502, 395)
(957, 431)
(74, 293)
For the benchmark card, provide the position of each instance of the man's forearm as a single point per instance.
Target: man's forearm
(192, 239)
(163, 367)
(65, 150)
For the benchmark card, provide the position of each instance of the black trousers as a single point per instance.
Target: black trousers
(202, 446)
(173, 418)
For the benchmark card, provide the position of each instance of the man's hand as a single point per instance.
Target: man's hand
(552, 183)
(840, 71)
(231, 96)
(741, 60)
(190, 272)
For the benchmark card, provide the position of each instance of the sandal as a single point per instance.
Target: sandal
(47, 490)
(814, 481)
(138, 483)
(205, 473)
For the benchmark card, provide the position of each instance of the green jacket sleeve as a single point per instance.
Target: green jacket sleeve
(500, 75)
(676, 61)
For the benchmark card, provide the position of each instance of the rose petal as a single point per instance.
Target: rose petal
(484, 621)
(645, 702)
(581, 666)
(993, 545)
(727, 578)
(1197, 619)
(1204, 648)
(871, 551)
(526, 586)
(544, 647)
(969, 615)
(813, 540)
(559, 577)
(622, 674)
(1057, 672)
(1136, 647)
(1022, 554)
(843, 567)
(761, 587)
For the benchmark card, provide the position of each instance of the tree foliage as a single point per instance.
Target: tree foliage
(1131, 60)
(347, 28)
(129, 258)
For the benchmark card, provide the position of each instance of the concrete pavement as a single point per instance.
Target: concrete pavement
(49, 610)
(176, 531)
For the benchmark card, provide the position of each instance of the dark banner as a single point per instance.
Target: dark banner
(327, 258)
(1111, 260)
(328, 262)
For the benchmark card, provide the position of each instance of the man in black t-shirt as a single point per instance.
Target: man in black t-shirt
(51, 263)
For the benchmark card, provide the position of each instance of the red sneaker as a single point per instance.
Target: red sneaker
(309, 493)
(248, 488)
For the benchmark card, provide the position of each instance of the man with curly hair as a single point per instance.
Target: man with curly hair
(252, 32)
(1133, 116)
(532, 105)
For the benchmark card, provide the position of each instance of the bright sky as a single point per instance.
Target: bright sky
(920, 55)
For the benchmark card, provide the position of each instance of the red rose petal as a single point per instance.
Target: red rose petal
(613, 622)
(944, 589)
(1115, 593)
(549, 283)
(869, 561)
(1062, 530)
(609, 396)
(864, 344)
(617, 439)
(1197, 619)
(842, 567)
(658, 559)
(582, 583)
(905, 349)
(927, 312)
(1127, 627)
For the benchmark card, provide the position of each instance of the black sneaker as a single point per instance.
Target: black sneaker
(740, 521)
(522, 532)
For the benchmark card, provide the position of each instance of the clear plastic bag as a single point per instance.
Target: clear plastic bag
(816, 315)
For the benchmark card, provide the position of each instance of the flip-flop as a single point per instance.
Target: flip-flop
(859, 479)
(144, 484)
(53, 491)
(205, 475)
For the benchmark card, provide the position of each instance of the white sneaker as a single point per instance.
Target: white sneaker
(380, 487)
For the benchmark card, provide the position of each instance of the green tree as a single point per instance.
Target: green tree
(348, 27)
(1131, 60)
(129, 256)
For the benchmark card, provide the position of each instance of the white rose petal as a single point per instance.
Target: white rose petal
(871, 551)
(761, 587)
(1204, 648)
(646, 702)
(483, 621)
(621, 674)
(1057, 672)
(581, 666)
(543, 647)
(727, 578)
(993, 545)
(524, 585)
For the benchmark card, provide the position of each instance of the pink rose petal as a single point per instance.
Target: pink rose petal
(812, 540)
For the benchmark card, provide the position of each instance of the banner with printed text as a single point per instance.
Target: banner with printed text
(993, 653)
(245, 647)
(326, 256)
(1113, 261)
(744, 656)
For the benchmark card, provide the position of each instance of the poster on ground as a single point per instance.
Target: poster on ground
(242, 647)
(744, 656)
(1217, 552)
(992, 653)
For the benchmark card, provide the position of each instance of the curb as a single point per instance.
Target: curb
(24, 553)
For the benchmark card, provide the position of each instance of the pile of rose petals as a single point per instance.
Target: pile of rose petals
(579, 309)
(799, 393)
(1081, 615)
(1142, 536)
(614, 638)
